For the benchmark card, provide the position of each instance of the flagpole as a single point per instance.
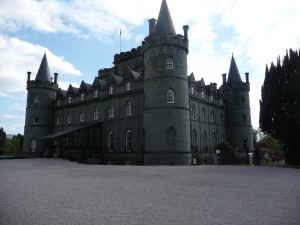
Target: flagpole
(120, 40)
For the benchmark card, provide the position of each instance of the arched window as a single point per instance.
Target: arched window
(111, 111)
(95, 93)
(36, 99)
(110, 143)
(82, 97)
(205, 148)
(203, 114)
(171, 133)
(69, 118)
(169, 63)
(212, 116)
(33, 145)
(170, 96)
(35, 119)
(128, 140)
(193, 142)
(69, 99)
(128, 109)
(192, 90)
(110, 90)
(81, 116)
(58, 118)
(96, 113)
(193, 111)
(214, 140)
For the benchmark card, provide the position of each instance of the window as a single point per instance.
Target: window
(192, 90)
(243, 100)
(128, 140)
(69, 118)
(212, 116)
(36, 99)
(203, 114)
(202, 94)
(95, 94)
(111, 111)
(211, 98)
(110, 90)
(82, 97)
(96, 113)
(58, 119)
(169, 64)
(205, 148)
(81, 116)
(35, 119)
(58, 102)
(213, 140)
(110, 144)
(221, 102)
(171, 133)
(128, 109)
(170, 96)
(33, 145)
(128, 86)
(193, 142)
(193, 111)
(69, 99)
(244, 118)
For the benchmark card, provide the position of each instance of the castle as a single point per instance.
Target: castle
(145, 110)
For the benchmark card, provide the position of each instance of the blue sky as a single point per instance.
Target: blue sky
(81, 37)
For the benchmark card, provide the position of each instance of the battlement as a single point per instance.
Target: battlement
(168, 39)
(42, 84)
(123, 56)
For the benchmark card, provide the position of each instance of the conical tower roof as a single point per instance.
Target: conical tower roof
(43, 73)
(233, 75)
(164, 23)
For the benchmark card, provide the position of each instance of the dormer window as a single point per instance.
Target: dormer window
(95, 94)
(169, 64)
(192, 90)
(110, 90)
(211, 98)
(128, 86)
(81, 116)
(82, 97)
(69, 99)
(202, 94)
(69, 118)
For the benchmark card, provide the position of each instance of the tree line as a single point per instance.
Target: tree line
(10, 146)
(280, 104)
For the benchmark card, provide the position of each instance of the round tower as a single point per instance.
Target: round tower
(238, 116)
(166, 115)
(39, 110)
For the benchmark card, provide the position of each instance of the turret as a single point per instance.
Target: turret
(236, 92)
(39, 111)
(166, 115)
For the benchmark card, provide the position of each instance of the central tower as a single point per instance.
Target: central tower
(166, 115)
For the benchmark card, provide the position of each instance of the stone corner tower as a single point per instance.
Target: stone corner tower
(166, 115)
(238, 116)
(41, 94)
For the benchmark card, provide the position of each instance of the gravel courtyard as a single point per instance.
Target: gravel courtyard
(60, 192)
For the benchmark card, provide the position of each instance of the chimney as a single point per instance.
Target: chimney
(247, 77)
(224, 78)
(55, 78)
(152, 23)
(28, 76)
(185, 30)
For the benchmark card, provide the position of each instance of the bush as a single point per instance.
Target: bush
(227, 153)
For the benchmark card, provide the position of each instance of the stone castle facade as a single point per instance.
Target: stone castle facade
(145, 110)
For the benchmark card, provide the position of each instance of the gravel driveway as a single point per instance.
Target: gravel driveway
(60, 192)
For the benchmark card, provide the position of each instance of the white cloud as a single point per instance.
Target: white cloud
(17, 57)
(9, 116)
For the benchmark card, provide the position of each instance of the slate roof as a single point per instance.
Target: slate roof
(233, 75)
(164, 23)
(43, 73)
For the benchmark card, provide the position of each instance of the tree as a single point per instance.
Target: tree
(227, 153)
(2, 139)
(280, 104)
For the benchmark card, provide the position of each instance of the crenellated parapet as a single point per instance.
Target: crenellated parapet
(123, 56)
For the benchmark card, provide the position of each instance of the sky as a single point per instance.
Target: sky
(81, 37)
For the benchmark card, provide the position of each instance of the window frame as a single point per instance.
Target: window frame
(96, 113)
(111, 112)
(110, 90)
(128, 140)
(170, 96)
(35, 119)
(81, 116)
(169, 64)
(128, 108)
